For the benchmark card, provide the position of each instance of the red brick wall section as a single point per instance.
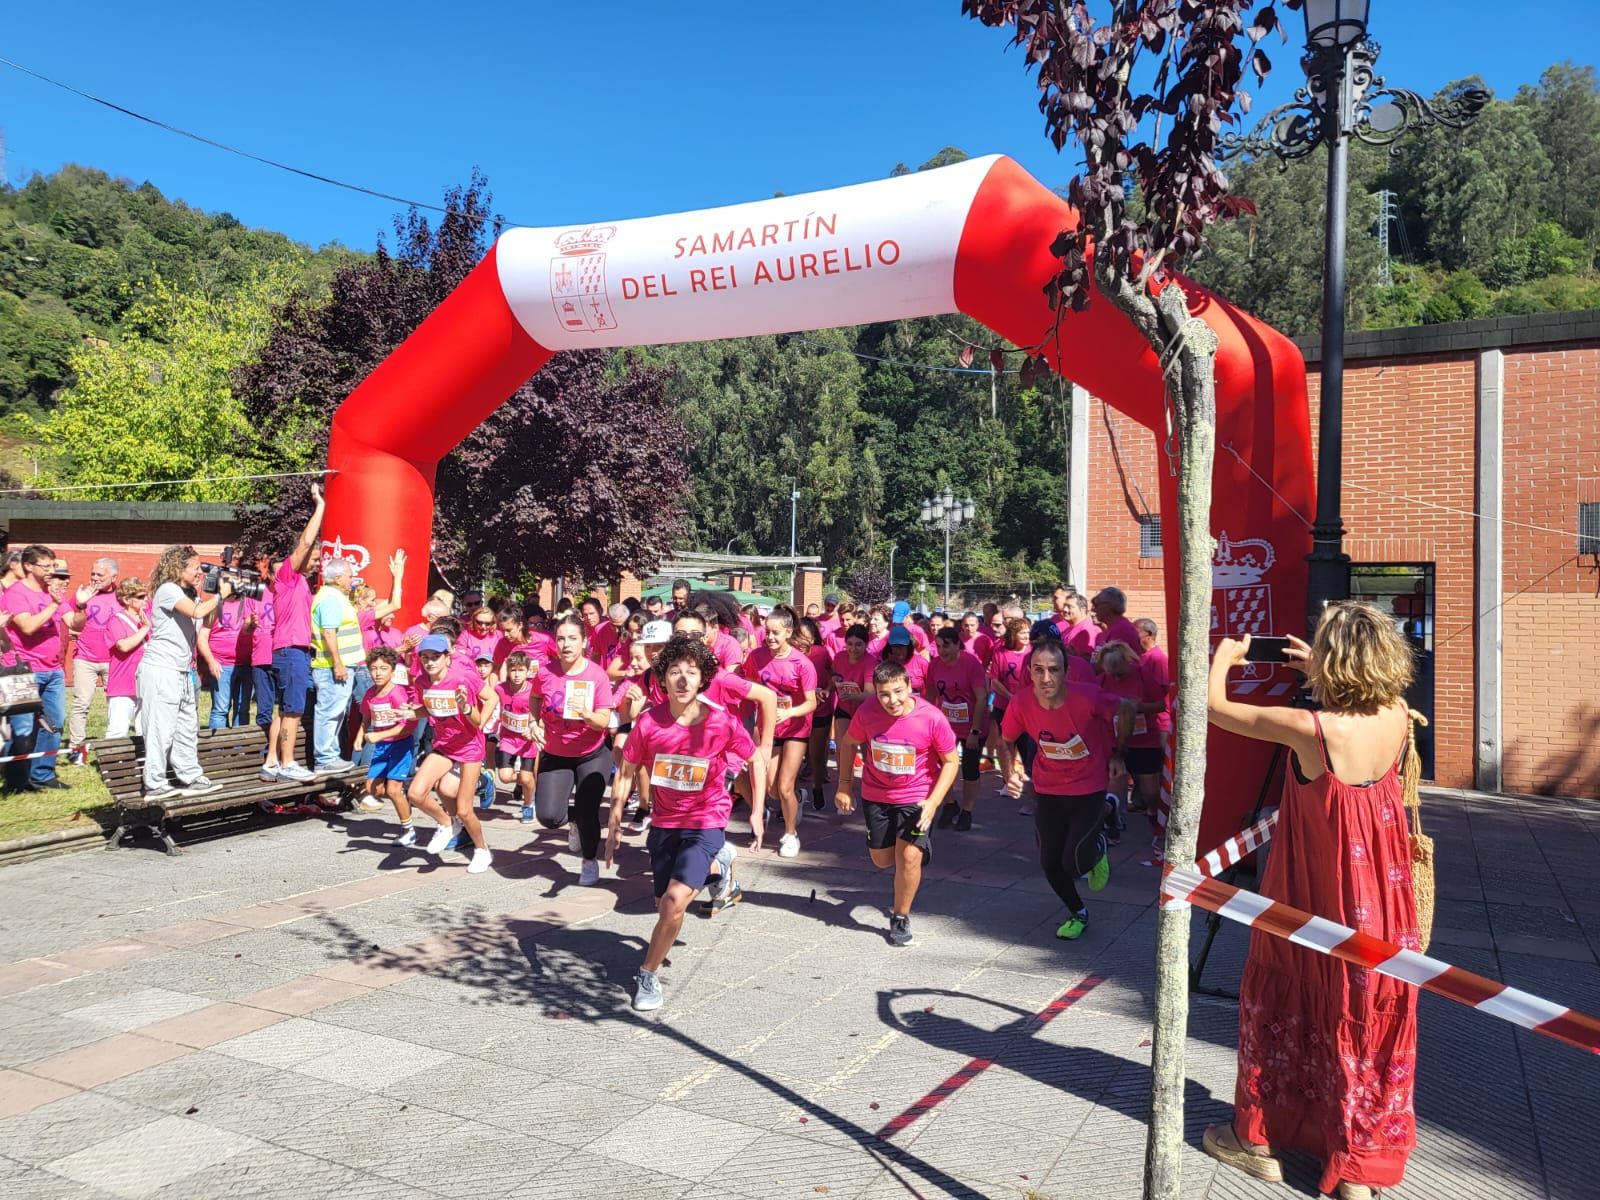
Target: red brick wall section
(1124, 462)
(1551, 632)
(807, 588)
(136, 545)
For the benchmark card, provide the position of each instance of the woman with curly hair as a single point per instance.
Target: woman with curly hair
(1327, 1049)
(166, 679)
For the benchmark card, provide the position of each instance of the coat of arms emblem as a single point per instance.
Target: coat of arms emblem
(578, 280)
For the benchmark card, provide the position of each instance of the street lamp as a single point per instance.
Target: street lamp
(892, 548)
(1342, 99)
(946, 512)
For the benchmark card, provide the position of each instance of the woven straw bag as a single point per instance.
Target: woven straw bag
(1422, 881)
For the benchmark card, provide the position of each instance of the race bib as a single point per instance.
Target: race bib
(384, 717)
(1070, 750)
(1138, 724)
(679, 772)
(579, 698)
(440, 702)
(956, 712)
(519, 723)
(847, 689)
(785, 702)
(893, 758)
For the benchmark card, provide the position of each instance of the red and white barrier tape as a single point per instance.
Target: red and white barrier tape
(63, 753)
(1190, 885)
(1240, 846)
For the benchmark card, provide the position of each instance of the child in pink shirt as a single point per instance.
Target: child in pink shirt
(458, 704)
(516, 755)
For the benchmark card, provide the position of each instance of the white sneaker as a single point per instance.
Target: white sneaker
(295, 773)
(408, 837)
(647, 992)
(441, 837)
(480, 861)
(574, 844)
(788, 846)
(370, 804)
(590, 874)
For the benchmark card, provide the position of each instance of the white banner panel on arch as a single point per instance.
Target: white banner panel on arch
(871, 252)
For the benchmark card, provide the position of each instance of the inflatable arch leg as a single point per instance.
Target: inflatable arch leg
(971, 238)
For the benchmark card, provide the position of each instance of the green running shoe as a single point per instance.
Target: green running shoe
(1073, 929)
(1100, 873)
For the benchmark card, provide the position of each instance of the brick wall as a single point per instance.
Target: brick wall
(1124, 465)
(136, 545)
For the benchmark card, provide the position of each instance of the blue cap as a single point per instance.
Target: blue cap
(899, 636)
(434, 643)
(1044, 628)
(902, 610)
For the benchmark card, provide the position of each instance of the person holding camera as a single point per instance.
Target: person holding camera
(166, 678)
(40, 620)
(291, 650)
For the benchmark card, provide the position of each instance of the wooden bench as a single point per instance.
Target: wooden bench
(231, 757)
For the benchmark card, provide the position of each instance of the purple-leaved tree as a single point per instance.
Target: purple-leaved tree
(1146, 89)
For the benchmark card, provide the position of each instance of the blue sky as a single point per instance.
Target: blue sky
(584, 112)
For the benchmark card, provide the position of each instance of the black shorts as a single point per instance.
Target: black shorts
(684, 855)
(804, 741)
(971, 760)
(1143, 760)
(889, 823)
(505, 760)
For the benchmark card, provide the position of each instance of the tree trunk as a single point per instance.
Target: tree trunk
(1192, 384)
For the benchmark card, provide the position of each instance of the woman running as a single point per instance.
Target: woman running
(458, 705)
(958, 687)
(878, 629)
(1071, 724)
(576, 713)
(822, 721)
(780, 666)
(851, 676)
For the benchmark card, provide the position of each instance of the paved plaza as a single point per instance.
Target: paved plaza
(303, 1010)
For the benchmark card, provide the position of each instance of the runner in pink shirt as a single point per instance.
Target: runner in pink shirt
(1075, 751)
(682, 752)
(388, 715)
(899, 647)
(851, 674)
(1109, 605)
(958, 687)
(788, 673)
(516, 755)
(481, 635)
(1157, 672)
(877, 629)
(575, 713)
(126, 634)
(458, 704)
(909, 763)
(1122, 674)
(592, 612)
(822, 720)
(1008, 673)
(832, 621)
(974, 641)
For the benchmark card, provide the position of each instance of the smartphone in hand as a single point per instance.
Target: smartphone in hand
(1267, 650)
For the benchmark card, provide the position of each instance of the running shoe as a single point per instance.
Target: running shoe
(788, 846)
(369, 804)
(899, 930)
(1072, 929)
(640, 823)
(1100, 873)
(817, 800)
(647, 992)
(589, 875)
(947, 815)
(964, 821)
(337, 766)
(408, 837)
(726, 897)
(481, 858)
(485, 792)
(442, 837)
(293, 772)
(200, 787)
(527, 814)
(574, 846)
(268, 773)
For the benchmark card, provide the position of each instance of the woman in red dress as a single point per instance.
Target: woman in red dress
(1328, 1050)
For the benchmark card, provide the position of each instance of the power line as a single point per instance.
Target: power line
(253, 157)
(91, 487)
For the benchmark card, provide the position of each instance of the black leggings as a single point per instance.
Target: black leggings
(1068, 830)
(559, 778)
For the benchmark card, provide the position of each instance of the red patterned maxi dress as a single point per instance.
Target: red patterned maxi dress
(1328, 1050)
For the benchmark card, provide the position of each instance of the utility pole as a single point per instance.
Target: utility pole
(1386, 214)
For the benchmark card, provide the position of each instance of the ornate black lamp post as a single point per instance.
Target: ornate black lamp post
(1342, 99)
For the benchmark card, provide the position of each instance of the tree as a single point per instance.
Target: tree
(158, 403)
(580, 473)
(1088, 92)
(1566, 114)
(867, 583)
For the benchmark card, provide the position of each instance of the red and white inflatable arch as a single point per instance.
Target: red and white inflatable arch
(972, 237)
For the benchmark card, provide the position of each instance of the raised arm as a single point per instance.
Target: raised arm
(300, 556)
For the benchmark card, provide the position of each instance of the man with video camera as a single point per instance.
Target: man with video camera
(39, 621)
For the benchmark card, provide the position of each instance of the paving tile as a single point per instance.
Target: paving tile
(675, 1141)
(65, 1126)
(34, 972)
(143, 1007)
(215, 1023)
(190, 933)
(107, 955)
(263, 916)
(142, 1161)
(303, 995)
(20, 1093)
(105, 1060)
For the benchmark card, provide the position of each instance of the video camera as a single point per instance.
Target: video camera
(247, 584)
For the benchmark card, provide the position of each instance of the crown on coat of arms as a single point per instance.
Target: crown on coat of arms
(1244, 561)
(584, 241)
(356, 555)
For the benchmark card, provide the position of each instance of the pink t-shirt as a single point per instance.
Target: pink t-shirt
(603, 640)
(822, 663)
(94, 639)
(261, 635)
(1080, 637)
(454, 734)
(687, 765)
(517, 713)
(960, 690)
(1158, 671)
(980, 646)
(568, 735)
(1136, 687)
(387, 634)
(916, 670)
(223, 634)
(901, 756)
(1120, 630)
(726, 690)
(852, 681)
(1005, 668)
(540, 648)
(919, 636)
(122, 675)
(829, 625)
(1075, 740)
(40, 649)
(291, 606)
(790, 677)
(396, 706)
(727, 650)
(475, 645)
(369, 629)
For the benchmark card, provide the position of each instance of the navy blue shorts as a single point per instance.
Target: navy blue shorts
(682, 854)
(392, 760)
(293, 665)
(266, 681)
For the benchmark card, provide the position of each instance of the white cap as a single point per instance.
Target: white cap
(655, 633)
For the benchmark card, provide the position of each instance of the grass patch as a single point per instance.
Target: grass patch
(85, 800)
